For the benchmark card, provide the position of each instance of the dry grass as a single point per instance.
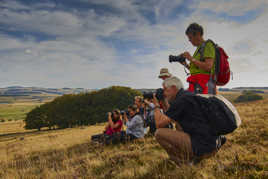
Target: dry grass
(69, 154)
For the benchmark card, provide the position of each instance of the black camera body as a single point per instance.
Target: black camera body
(122, 112)
(112, 116)
(178, 58)
(159, 94)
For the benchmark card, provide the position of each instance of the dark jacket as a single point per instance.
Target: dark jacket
(186, 110)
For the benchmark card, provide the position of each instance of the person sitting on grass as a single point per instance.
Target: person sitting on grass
(112, 129)
(134, 124)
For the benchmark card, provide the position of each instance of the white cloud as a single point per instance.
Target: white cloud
(77, 58)
(13, 5)
(232, 8)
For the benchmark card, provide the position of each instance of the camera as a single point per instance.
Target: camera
(113, 117)
(122, 112)
(159, 94)
(178, 58)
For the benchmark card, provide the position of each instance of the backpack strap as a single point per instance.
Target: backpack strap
(202, 49)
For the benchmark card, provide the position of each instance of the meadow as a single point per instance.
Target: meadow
(69, 153)
(15, 111)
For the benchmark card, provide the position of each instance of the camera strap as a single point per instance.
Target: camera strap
(187, 73)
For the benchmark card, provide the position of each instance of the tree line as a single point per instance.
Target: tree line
(81, 109)
(247, 96)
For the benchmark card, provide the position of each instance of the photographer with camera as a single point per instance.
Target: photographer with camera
(149, 118)
(138, 101)
(149, 101)
(134, 124)
(192, 138)
(201, 63)
(164, 74)
(113, 127)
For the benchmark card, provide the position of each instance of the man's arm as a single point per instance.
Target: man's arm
(173, 114)
(206, 65)
(161, 120)
(165, 104)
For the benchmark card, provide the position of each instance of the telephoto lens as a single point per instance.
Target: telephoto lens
(158, 94)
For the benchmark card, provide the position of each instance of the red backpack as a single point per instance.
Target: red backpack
(222, 69)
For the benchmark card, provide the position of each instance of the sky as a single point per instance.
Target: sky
(100, 43)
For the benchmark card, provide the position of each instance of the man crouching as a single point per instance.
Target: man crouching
(192, 138)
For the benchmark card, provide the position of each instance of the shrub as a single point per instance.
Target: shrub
(81, 109)
(248, 96)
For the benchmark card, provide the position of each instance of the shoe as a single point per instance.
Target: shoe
(220, 141)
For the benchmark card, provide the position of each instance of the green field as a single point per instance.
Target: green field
(14, 112)
(13, 108)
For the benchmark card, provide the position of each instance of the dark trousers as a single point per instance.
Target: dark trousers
(124, 137)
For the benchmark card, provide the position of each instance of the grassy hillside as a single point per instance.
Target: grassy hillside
(69, 154)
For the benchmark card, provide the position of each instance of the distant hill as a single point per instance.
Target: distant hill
(27, 91)
(12, 94)
(36, 94)
(255, 89)
(250, 88)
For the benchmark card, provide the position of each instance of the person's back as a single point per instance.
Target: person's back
(194, 137)
(194, 122)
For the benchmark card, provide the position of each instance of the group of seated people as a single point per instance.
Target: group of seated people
(138, 122)
(114, 132)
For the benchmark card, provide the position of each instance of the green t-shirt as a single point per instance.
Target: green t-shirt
(209, 52)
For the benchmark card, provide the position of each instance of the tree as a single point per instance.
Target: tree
(81, 109)
(248, 96)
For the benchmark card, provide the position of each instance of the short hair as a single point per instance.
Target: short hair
(173, 81)
(140, 98)
(133, 107)
(194, 28)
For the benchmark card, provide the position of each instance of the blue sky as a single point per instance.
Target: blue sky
(99, 43)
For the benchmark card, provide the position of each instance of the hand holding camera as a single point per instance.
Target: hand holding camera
(181, 59)
(187, 56)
